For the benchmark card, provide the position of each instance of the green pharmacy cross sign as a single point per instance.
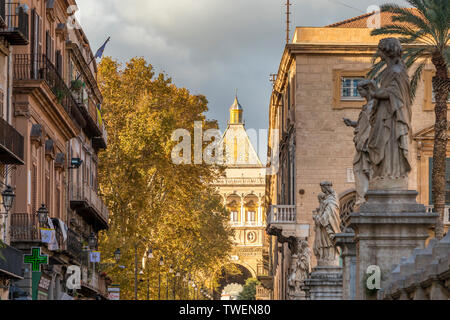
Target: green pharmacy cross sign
(35, 259)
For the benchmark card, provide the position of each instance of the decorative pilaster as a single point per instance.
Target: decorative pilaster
(348, 254)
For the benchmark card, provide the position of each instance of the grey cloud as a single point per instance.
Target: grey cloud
(210, 46)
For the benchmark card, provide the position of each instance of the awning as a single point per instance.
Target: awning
(11, 265)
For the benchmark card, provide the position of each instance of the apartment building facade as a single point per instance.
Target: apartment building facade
(314, 90)
(56, 108)
(12, 33)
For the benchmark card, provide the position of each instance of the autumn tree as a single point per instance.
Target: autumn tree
(154, 203)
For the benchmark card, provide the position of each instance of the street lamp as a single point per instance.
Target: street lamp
(167, 282)
(177, 275)
(117, 255)
(8, 199)
(150, 253)
(149, 256)
(92, 241)
(42, 215)
(8, 196)
(161, 263)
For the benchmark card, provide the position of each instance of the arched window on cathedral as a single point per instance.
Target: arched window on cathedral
(347, 203)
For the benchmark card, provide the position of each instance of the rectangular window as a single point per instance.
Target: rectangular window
(447, 183)
(234, 216)
(251, 217)
(349, 88)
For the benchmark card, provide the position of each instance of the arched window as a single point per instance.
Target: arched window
(347, 203)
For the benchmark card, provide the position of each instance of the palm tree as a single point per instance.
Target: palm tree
(425, 30)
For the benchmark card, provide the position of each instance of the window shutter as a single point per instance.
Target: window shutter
(58, 203)
(48, 45)
(47, 192)
(59, 62)
(34, 189)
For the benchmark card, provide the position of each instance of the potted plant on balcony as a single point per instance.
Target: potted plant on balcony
(60, 95)
(76, 85)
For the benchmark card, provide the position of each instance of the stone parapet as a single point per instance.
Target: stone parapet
(425, 275)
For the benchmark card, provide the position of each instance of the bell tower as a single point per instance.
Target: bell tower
(236, 112)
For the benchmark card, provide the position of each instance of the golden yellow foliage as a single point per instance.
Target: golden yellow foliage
(153, 202)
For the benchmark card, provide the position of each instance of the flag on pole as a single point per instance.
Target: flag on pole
(99, 53)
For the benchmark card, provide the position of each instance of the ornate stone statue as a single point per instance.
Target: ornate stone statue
(300, 269)
(391, 122)
(361, 162)
(327, 223)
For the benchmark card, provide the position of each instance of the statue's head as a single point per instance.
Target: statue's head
(366, 88)
(326, 186)
(390, 48)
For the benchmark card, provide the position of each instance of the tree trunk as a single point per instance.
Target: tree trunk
(441, 89)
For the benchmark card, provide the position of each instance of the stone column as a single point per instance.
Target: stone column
(387, 227)
(348, 247)
(242, 212)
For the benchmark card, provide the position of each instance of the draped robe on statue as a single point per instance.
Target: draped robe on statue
(327, 224)
(391, 123)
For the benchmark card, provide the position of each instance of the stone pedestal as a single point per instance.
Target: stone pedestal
(388, 227)
(347, 244)
(324, 283)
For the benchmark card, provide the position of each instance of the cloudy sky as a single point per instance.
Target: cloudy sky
(211, 47)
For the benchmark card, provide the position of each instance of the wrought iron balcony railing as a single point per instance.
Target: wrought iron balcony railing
(14, 22)
(90, 200)
(24, 228)
(39, 67)
(74, 246)
(11, 144)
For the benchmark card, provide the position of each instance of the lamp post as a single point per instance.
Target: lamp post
(8, 196)
(167, 282)
(184, 286)
(42, 215)
(92, 245)
(177, 276)
(149, 256)
(161, 263)
(117, 255)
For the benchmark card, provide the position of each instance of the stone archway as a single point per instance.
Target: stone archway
(228, 279)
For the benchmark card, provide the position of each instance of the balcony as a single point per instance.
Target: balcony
(446, 216)
(282, 222)
(24, 228)
(89, 205)
(237, 224)
(11, 144)
(102, 141)
(37, 67)
(74, 246)
(93, 282)
(14, 23)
